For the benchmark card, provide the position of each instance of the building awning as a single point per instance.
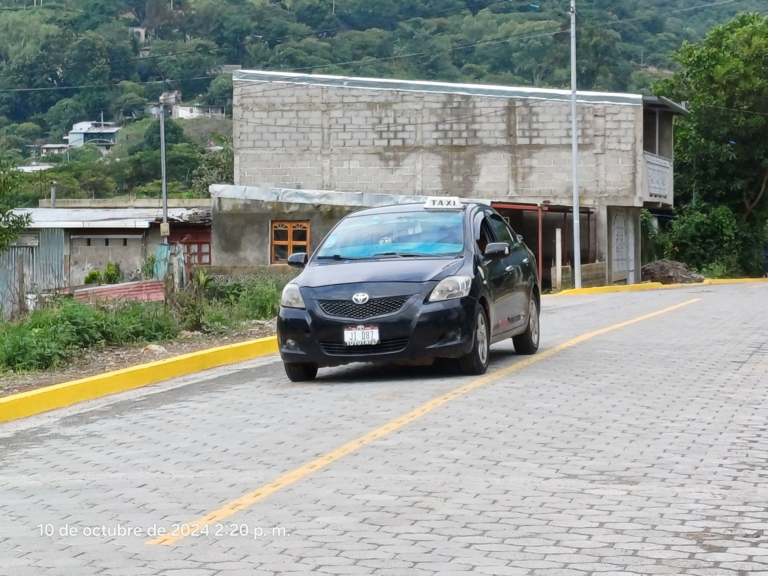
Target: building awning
(120, 218)
(661, 104)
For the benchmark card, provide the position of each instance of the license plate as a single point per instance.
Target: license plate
(361, 335)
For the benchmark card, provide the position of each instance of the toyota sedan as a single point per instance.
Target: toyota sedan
(445, 279)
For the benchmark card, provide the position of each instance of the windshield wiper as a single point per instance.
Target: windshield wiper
(336, 257)
(408, 254)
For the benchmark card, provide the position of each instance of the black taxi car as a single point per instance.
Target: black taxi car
(444, 279)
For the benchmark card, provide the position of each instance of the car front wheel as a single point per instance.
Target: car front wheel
(476, 362)
(300, 371)
(528, 341)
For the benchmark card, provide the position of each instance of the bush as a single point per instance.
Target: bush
(148, 268)
(53, 335)
(714, 242)
(259, 299)
(705, 238)
(93, 277)
(112, 275)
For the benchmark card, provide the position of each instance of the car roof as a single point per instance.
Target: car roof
(411, 207)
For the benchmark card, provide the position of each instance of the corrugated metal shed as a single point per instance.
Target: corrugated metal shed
(33, 268)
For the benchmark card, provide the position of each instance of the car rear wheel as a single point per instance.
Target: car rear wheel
(476, 362)
(528, 341)
(300, 371)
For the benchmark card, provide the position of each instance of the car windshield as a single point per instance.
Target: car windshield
(399, 234)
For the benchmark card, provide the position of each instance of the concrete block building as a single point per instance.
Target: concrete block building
(510, 146)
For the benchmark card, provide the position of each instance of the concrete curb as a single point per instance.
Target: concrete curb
(68, 393)
(655, 286)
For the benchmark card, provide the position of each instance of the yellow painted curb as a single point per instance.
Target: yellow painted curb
(607, 289)
(68, 393)
(655, 286)
(734, 280)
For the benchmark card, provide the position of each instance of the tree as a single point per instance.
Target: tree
(11, 225)
(63, 115)
(220, 92)
(216, 168)
(174, 134)
(29, 131)
(721, 154)
(130, 101)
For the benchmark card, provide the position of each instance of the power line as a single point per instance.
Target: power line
(542, 32)
(280, 39)
(83, 87)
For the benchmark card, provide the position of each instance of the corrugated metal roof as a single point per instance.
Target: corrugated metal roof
(436, 87)
(98, 130)
(109, 218)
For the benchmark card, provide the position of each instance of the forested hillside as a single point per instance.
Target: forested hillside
(70, 60)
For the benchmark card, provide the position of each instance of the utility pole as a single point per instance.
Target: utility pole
(575, 156)
(162, 163)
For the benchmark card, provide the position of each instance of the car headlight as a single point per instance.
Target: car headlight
(450, 288)
(291, 297)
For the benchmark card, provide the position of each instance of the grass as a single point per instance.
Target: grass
(63, 329)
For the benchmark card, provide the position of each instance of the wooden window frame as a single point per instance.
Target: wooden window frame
(291, 225)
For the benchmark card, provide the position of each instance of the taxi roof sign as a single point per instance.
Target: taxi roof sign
(443, 203)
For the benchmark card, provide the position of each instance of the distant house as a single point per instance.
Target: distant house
(34, 167)
(166, 102)
(102, 134)
(190, 111)
(54, 149)
(175, 108)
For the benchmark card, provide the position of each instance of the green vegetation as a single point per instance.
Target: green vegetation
(11, 225)
(721, 154)
(112, 274)
(211, 307)
(93, 277)
(52, 336)
(62, 329)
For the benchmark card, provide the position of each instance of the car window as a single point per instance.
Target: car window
(483, 232)
(396, 233)
(501, 230)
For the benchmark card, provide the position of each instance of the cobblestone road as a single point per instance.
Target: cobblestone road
(643, 450)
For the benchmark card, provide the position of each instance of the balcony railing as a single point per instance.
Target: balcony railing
(658, 177)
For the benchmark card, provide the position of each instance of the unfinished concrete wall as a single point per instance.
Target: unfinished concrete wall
(94, 250)
(242, 228)
(351, 139)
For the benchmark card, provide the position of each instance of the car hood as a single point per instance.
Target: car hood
(390, 270)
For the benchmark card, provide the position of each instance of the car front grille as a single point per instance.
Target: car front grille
(374, 307)
(383, 347)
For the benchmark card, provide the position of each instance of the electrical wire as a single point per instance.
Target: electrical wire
(277, 40)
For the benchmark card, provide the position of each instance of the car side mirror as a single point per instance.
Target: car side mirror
(519, 238)
(496, 250)
(298, 260)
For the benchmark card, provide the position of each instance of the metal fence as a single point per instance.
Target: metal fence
(35, 264)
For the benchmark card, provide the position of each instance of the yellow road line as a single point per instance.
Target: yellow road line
(291, 477)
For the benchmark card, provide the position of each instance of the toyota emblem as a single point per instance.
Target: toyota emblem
(360, 298)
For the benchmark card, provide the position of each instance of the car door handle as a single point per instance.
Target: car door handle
(526, 261)
(509, 269)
